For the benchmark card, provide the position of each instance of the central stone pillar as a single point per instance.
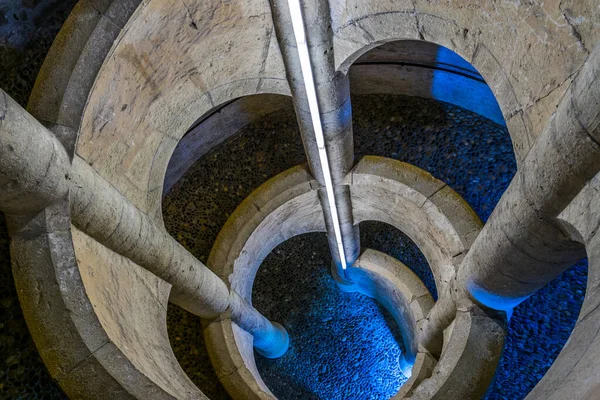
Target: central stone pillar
(333, 96)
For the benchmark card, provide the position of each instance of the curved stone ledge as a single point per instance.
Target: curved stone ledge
(98, 321)
(400, 291)
(433, 215)
(288, 205)
(474, 343)
(574, 373)
(70, 68)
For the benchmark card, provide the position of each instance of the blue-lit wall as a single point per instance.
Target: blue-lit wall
(455, 81)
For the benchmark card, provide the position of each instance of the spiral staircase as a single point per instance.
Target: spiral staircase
(134, 96)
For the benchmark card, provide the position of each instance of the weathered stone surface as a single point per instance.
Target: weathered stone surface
(422, 369)
(69, 71)
(461, 215)
(64, 327)
(529, 54)
(521, 249)
(421, 182)
(469, 360)
(395, 287)
(73, 330)
(156, 82)
(236, 370)
(130, 303)
(266, 211)
(389, 191)
(113, 220)
(525, 52)
(423, 69)
(34, 166)
(332, 92)
(45, 101)
(574, 372)
(252, 232)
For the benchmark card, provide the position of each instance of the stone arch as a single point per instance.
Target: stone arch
(501, 89)
(528, 74)
(424, 69)
(139, 74)
(574, 370)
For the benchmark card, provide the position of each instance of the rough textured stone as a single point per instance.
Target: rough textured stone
(130, 303)
(387, 200)
(544, 32)
(250, 235)
(573, 373)
(545, 48)
(23, 373)
(112, 220)
(396, 288)
(34, 165)
(332, 92)
(155, 83)
(60, 94)
(521, 249)
(70, 336)
(474, 344)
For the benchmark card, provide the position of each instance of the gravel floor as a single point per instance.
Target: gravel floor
(343, 345)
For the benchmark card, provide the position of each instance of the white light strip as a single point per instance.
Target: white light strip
(311, 94)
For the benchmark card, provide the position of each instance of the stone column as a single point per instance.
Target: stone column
(35, 172)
(103, 213)
(333, 95)
(34, 166)
(522, 247)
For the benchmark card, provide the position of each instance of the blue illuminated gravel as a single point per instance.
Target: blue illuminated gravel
(343, 345)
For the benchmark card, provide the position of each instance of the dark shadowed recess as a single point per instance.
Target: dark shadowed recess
(27, 30)
(22, 372)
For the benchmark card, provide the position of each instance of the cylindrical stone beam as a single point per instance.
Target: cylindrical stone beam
(35, 171)
(34, 165)
(333, 96)
(103, 213)
(270, 338)
(522, 247)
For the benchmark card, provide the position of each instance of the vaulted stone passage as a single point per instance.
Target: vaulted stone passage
(301, 199)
